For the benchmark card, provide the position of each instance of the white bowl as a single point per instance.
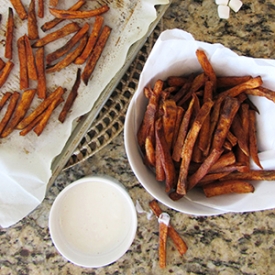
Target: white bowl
(174, 53)
(93, 221)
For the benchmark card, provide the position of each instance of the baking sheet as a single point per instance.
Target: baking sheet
(26, 163)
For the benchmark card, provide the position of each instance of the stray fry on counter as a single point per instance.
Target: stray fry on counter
(69, 14)
(9, 34)
(163, 220)
(20, 10)
(23, 66)
(71, 97)
(32, 22)
(4, 73)
(62, 32)
(172, 233)
(96, 53)
(52, 23)
(211, 139)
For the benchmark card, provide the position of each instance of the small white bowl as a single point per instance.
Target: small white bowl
(93, 221)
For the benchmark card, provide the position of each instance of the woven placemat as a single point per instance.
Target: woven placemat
(110, 120)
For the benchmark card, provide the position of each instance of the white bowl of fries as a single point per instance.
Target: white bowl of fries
(223, 159)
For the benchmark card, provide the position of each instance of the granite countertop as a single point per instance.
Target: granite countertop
(226, 244)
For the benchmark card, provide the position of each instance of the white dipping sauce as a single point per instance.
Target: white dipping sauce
(93, 217)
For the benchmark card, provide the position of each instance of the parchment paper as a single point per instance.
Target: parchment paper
(25, 162)
(177, 51)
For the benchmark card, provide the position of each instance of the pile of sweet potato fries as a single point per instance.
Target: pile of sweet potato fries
(200, 131)
(84, 47)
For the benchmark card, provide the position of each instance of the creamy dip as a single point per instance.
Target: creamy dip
(93, 217)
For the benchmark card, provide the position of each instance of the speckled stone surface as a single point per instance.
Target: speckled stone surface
(229, 244)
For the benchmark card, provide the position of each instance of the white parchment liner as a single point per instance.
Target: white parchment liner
(174, 54)
(25, 162)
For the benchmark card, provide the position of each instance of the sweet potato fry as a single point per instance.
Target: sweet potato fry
(236, 90)
(68, 46)
(95, 55)
(169, 120)
(4, 74)
(19, 112)
(225, 160)
(40, 11)
(227, 187)
(71, 97)
(67, 14)
(52, 23)
(231, 81)
(172, 233)
(164, 220)
(40, 108)
(160, 174)
(187, 149)
(91, 41)
(207, 67)
(209, 178)
(238, 131)
(228, 112)
(150, 113)
(176, 155)
(261, 91)
(20, 10)
(204, 138)
(244, 117)
(53, 3)
(231, 138)
(253, 148)
(2, 64)
(31, 125)
(4, 99)
(197, 83)
(9, 35)
(180, 113)
(32, 22)
(32, 71)
(62, 32)
(12, 104)
(204, 167)
(69, 58)
(39, 128)
(41, 77)
(176, 81)
(23, 67)
(267, 175)
(180, 95)
(165, 157)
